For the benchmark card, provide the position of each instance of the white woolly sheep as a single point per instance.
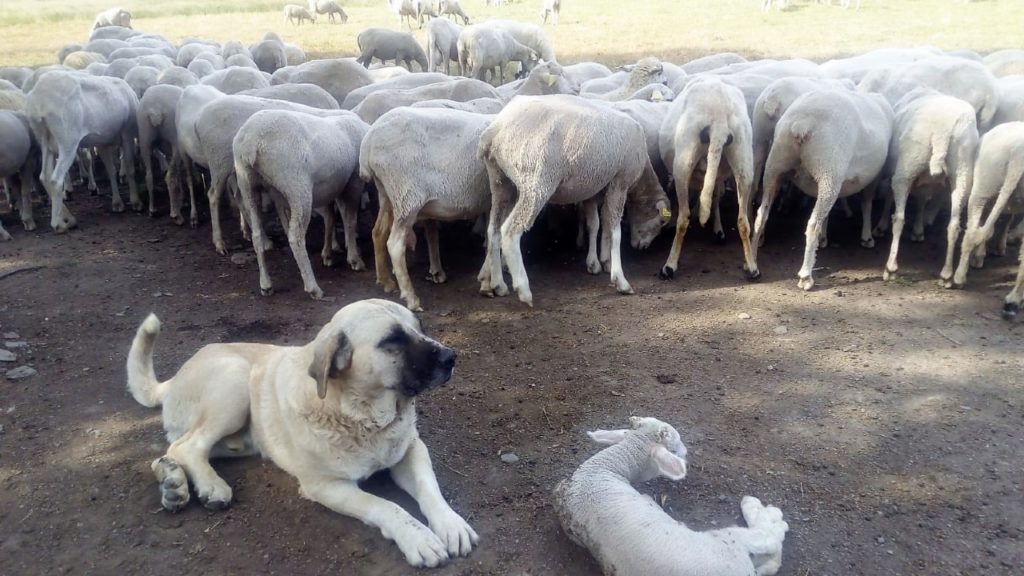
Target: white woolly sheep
(104, 46)
(708, 122)
(66, 49)
(1011, 100)
(551, 8)
(646, 71)
(141, 78)
(529, 35)
(15, 75)
(294, 55)
(835, 143)
(583, 148)
(81, 59)
(998, 186)
(269, 54)
(113, 17)
(13, 100)
(483, 48)
(67, 110)
(442, 44)
(378, 103)
(295, 14)
(330, 8)
(476, 106)
(157, 132)
(934, 141)
(306, 163)
(580, 73)
(453, 8)
(543, 80)
(338, 76)
(1008, 62)
(234, 80)
(385, 45)
(231, 48)
(17, 162)
(413, 184)
(112, 33)
(306, 94)
(630, 535)
(404, 81)
(177, 76)
(241, 61)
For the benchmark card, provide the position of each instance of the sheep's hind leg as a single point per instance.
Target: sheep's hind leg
(592, 222)
(436, 275)
(522, 216)
(1011, 305)
(381, 231)
(298, 223)
(815, 225)
(326, 254)
(107, 156)
(900, 192)
(612, 216)
(400, 228)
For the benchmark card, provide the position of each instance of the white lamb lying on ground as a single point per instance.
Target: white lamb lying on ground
(629, 534)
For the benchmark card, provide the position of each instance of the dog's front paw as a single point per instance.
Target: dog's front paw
(173, 484)
(422, 548)
(455, 533)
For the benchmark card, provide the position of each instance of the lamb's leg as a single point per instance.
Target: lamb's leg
(326, 255)
(247, 193)
(886, 217)
(420, 546)
(772, 180)
(614, 202)
(55, 168)
(742, 162)
(716, 212)
(975, 236)
(528, 205)
(828, 190)
(85, 166)
(684, 164)
(381, 231)
(437, 275)
(592, 221)
(146, 155)
(1001, 234)
(957, 202)
(348, 205)
(173, 179)
(867, 198)
(213, 195)
(189, 176)
(400, 229)
(492, 282)
(298, 223)
(25, 205)
(1012, 302)
(415, 474)
(107, 156)
(128, 165)
(900, 193)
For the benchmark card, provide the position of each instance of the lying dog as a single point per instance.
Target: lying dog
(330, 413)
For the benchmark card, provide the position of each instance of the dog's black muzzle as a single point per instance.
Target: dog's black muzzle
(428, 365)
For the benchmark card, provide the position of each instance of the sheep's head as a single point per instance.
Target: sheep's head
(550, 79)
(648, 209)
(666, 452)
(647, 71)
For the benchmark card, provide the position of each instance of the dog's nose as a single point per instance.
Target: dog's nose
(446, 357)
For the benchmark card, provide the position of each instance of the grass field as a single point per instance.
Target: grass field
(610, 31)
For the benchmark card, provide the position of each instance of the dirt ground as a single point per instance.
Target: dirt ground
(886, 421)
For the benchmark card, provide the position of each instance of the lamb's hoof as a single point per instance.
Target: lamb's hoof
(117, 207)
(719, 238)
(153, 214)
(869, 243)
(315, 294)
(914, 237)
(1010, 310)
(752, 276)
(221, 249)
(666, 273)
(268, 291)
(138, 206)
(61, 228)
(805, 283)
(888, 275)
(357, 265)
(328, 261)
(594, 267)
(178, 220)
(29, 225)
(626, 291)
(173, 484)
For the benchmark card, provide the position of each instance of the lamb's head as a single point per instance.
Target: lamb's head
(647, 208)
(646, 71)
(666, 454)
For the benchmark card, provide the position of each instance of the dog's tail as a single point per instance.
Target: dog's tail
(142, 382)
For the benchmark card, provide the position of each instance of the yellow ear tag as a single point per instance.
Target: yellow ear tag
(666, 213)
(657, 97)
(551, 80)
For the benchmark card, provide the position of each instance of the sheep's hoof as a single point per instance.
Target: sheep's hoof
(178, 219)
(220, 249)
(322, 298)
(719, 238)
(29, 225)
(752, 275)
(268, 291)
(888, 275)
(869, 243)
(594, 267)
(915, 237)
(153, 213)
(666, 273)
(137, 206)
(822, 243)
(117, 207)
(4, 236)
(805, 283)
(1010, 310)
(194, 222)
(437, 278)
(946, 282)
(328, 261)
(878, 232)
(626, 291)
(357, 265)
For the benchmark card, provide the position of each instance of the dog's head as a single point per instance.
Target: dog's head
(375, 350)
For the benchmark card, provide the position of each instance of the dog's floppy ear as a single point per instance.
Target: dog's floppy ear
(332, 355)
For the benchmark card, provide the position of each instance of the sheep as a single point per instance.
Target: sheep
(654, 93)
(113, 17)
(330, 8)
(38, 73)
(13, 100)
(379, 72)
(483, 48)
(630, 535)
(269, 54)
(294, 55)
(15, 75)
(551, 8)
(964, 79)
(453, 8)
(650, 116)
(835, 143)
(81, 59)
(1005, 62)
(112, 33)
(97, 69)
(68, 110)
(1011, 100)
(306, 94)
(106, 47)
(17, 161)
(545, 79)
(600, 86)
(565, 150)
(646, 71)
(187, 151)
(201, 68)
(442, 44)
(934, 141)
(529, 35)
(306, 163)
(338, 77)
(241, 61)
(295, 14)
(580, 73)
(416, 184)
(376, 104)
(157, 131)
(385, 45)
(133, 52)
(998, 186)
(707, 122)
(404, 81)
(141, 78)
(712, 62)
(213, 58)
(477, 105)
(231, 48)
(66, 49)
(233, 80)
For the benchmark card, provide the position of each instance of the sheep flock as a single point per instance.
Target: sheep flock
(482, 123)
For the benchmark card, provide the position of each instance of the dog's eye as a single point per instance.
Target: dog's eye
(396, 341)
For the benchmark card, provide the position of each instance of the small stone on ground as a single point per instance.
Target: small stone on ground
(20, 372)
(7, 356)
(780, 330)
(744, 316)
(509, 458)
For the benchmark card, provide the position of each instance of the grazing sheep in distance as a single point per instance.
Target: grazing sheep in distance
(113, 17)
(442, 44)
(551, 8)
(416, 184)
(330, 8)
(295, 14)
(630, 535)
(566, 150)
(934, 141)
(453, 8)
(306, 163)
(835, 144)
(385, 45)
(483, 48)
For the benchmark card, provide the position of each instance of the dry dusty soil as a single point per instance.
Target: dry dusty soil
(886, 422)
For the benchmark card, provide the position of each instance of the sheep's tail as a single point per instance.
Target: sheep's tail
(941, 142)
(717, 139)
(142, 382)
(771, 105)
(800, 129)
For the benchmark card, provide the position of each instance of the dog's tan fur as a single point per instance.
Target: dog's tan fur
(331, 413)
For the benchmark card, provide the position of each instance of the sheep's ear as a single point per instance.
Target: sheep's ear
(669, 465)
(607, 437)
(634, 422)
(331, 356)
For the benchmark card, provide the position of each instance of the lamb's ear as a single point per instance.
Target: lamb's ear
(669, 465)
(331, 356)
(607, 437)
